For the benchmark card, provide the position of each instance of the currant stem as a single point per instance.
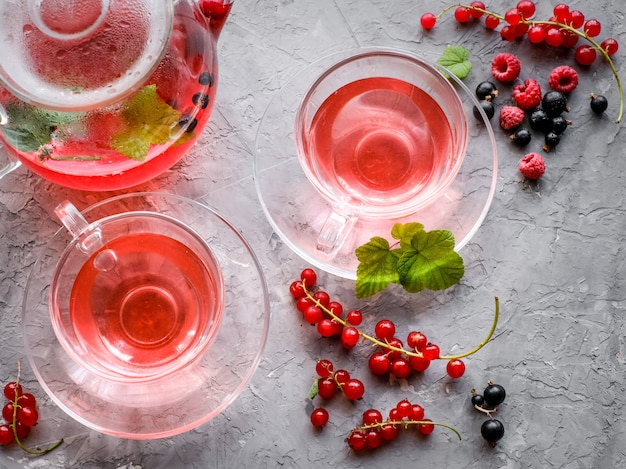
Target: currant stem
(565, 27)
(407, 423)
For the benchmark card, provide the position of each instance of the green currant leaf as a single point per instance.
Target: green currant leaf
(377, 267)
(456, 60)
(314, 389)
(150, 120)
(405, 232)
(431, 262)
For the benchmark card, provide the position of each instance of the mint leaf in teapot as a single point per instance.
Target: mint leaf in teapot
(419, 260)
(456, 60)
(149, 120)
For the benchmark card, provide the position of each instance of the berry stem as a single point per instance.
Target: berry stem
(407, 423)
(565, 27)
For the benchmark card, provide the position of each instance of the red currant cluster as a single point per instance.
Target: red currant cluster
(564, 28)
(331, 381)
(20, 414)
(492, 430)
(375, 429)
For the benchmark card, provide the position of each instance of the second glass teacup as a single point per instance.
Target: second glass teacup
(380, 135)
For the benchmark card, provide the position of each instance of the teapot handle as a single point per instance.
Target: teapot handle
(8, 162)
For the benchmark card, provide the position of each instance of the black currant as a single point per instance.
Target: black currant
(494, 394)
(554, 103)
(521, 137)
(478, 400)
(486, 88)
(598, 103)
(487, 107)
(492, 430)
(189, 122)
(559, 124)
(539, 120)
(552, 140)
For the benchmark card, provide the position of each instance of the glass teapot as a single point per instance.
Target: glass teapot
(105, 94)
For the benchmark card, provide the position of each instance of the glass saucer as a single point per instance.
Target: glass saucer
(297, 211)
(191, 394)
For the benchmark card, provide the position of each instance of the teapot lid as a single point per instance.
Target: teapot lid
(74, 55)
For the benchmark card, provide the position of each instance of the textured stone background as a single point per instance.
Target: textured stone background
(553, 252)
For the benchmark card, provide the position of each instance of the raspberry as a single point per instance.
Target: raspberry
(528, 95)
(505, 67)
(563, 79)
(511, 117)
(532, 166)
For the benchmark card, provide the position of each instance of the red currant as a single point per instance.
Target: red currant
(521, 29)
(417, 412)
(527, 8)
(428, 20)
(512, 16)
(416, 340)
(426, 428)
(27, 399)
(562, 13)
(303, 303)
(379, 363)
(431, 352)
(388, 432)
(336, 308)
(394, 415)
(592, 28)
(455, 368)
(309, 277)
(536, 34)
(342, 377)
(462, 14)
(21, 430)
(577, 19)
(319, 417)
(28, 416)
(12, 390)
(396, 343)
(354, 389)
(337, 328)
(354, 317)
(6, 434)
(491, 22)
(609, 45)
(400, 368)
(326, 327)
(373, 439)
(418, 364)
(385, 329)
(324, 368)
(349, 337)
(215, 10)
(322, 297)
(476, 13)
(7, 412)
(554, 37)
(297, 290)
(372, 416)
(570, 39)
(326, 388)
(508, 33)
(357, 440)
(585, 55)
(404, 408)
(313, 314)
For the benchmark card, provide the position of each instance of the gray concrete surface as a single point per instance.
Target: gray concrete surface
(552, 251)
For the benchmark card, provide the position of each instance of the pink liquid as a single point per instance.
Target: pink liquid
(158, 303)
(380, 141)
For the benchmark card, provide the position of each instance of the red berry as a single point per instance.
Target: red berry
(462, 14)
(532, 166)
(416, 340)
(585, 55)
(476, 13)
(418, 364)
(303, 303)
(491, 22)
(554, 37)
(309, 277)
(505, 67)
(455, 368)
(326, 388)
(388, 432)
(426, 428)
(319, 417)
(337, 328)
(354, 389)
(12, 390)
(428, 20)
(7, 412)
(6, 434)
(536, 34)
(385, 329)
(400, 368)
(527, 95)
(396, 343)
(512, 16)
(21, 430)
(508, 33)
(322, 297)
(297, 290)
(373, 439)
(357, 441)
(431, 352)
(394, 416)
(562, 13)
(313, 314)
(521, 29)
(526, 8)
(404, 408)
(324, 368)
(372, 416)
(417, 412)
(354, 317)
(349, 338)
(592, 28)
(570, 39)
(342, 376)
(511, 117)
(609, 45)
(27, 399)
(563, 79)
(326, 327)
(379, 363)
(336, 308)
(577, 19)
(28, 416)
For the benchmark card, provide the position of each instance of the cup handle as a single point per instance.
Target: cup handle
(334, 233)
(8, 163)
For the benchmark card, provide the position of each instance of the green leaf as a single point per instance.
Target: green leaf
(431, 262)
(314, 389)
(456, 60)
(21, 139)
(405, 232)
(151, 121)
(377, 267)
